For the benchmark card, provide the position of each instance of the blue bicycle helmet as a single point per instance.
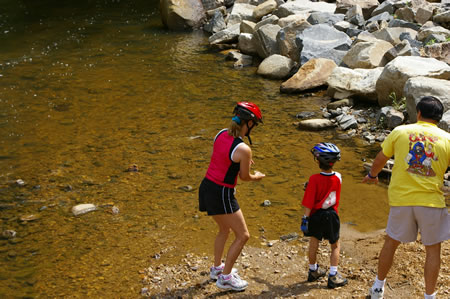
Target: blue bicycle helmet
(327, 153)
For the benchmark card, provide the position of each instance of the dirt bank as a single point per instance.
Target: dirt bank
(281, 271)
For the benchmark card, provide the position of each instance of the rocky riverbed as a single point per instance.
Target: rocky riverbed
(279, 269)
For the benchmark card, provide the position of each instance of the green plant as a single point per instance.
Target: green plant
(398, 104)
(431, 42)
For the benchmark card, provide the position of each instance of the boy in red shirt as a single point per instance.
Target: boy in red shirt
(321, 220)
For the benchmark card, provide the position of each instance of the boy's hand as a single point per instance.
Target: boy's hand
(304, 226)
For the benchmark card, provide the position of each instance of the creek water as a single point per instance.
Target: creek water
(88, 88)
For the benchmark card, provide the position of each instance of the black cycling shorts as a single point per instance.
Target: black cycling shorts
(216, 199)
(324, 224)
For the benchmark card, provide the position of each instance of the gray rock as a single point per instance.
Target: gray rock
(442, 18)
(385, 16)
(340, 104)
(347, 122)
(417, 87)
(247, 27)
(322, 41)
(275, 67)
(404, 24)
(229, 35)
(83, 209)
(269, 20)
(264, 8)
(286, 38)
(398, 71)
(439, 51)
(266, 40)
(182, 15)
(240, 12)
(386, 6)
(444, 124)
(215, 24)
(406, 14)
(303, 7)
(425, 32)
(392, 34)
(305, 114)
(324, 18)
(312, 74)
(246, 44)
(367, 54)
(316, 124)
(358, 83)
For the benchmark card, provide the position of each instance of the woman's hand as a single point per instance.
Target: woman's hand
(258, 175)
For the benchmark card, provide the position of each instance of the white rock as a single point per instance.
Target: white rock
(83, 209)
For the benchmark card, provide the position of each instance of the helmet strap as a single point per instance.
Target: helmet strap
(248, 132)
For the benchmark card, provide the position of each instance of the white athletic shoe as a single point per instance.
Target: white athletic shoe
(233, 282)
(376, 293)
(216, 271)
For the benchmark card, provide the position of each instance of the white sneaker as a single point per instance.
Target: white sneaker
(215, 271)
(376, 293)
(233, 282)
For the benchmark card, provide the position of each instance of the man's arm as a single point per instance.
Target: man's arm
(377, 166)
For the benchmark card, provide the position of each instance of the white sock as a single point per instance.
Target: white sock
(379, 284)
(333, 270)
(313, 267)
(432, 296)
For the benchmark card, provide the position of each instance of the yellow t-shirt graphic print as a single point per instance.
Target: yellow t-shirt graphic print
(422, 155)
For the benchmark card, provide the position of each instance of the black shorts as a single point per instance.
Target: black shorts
(324, 224)
(216, 199)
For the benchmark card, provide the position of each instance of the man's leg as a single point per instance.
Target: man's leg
(386, 257)
(432, 266)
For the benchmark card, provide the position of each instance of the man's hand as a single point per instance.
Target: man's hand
(370, 180)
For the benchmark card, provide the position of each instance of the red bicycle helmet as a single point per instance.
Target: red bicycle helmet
(248, 111)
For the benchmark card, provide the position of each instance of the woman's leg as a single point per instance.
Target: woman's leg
(313, 246)
(236, 223)
(221, 239)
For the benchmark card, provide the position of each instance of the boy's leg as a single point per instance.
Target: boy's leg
(335, 250)
(313, 246)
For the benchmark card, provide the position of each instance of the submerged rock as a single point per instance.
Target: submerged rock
(83, 209)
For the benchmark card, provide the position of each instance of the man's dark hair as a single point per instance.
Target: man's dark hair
(430, 107)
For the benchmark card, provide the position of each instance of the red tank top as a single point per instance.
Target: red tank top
(222, 170)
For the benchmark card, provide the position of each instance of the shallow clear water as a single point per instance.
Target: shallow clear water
(88, 88)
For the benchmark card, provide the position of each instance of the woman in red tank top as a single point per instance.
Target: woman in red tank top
(231, 158)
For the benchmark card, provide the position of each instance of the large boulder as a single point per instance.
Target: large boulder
(228, 35)
(241, 12)
(312, 74)
(358, 83)
(182, 15)
(402, 68)
(303, 7)
(368, 6)
(322, 41)
(265, 39)
(439, 51)
(392, 34)
(367, 55)
(286, 38)
(417, 87)
(275, 67)
(264, 8)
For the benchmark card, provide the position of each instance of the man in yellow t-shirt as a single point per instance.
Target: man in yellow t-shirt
(416, 199)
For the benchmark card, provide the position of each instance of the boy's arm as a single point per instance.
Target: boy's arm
(307, 211)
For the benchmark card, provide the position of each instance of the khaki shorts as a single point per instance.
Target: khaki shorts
(405, 222)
